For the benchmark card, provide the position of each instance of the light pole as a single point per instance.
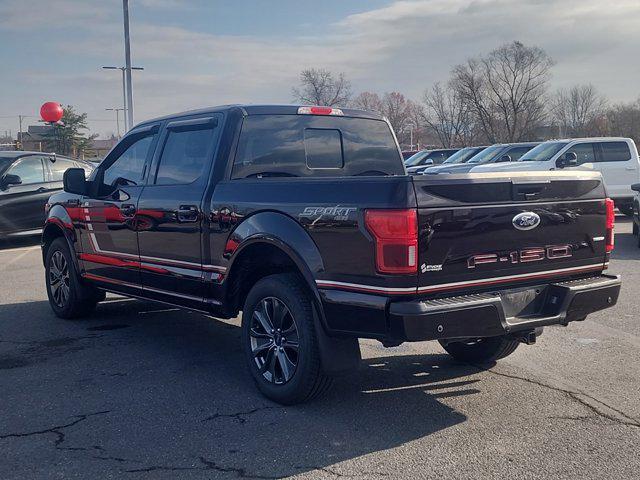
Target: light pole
(117, 110)
(127, 125)
(127, 62)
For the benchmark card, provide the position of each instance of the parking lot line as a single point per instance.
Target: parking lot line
(16, 258)
(20, 249)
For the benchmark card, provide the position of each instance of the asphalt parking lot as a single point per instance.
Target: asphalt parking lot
(140, 390)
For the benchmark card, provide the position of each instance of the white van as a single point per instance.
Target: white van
(616, 158)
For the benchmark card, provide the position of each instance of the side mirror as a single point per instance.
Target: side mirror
(74, 181)
(10, 179)
(428, 161)
(570, 159)
(504, 158)
(635, 187)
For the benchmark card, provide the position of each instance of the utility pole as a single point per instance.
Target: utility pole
(117, 110)
(19, 136)
(127, 126)
(127, 62)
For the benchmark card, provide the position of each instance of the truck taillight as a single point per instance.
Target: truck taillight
(611, 221)
(320, 111)
(396, 236)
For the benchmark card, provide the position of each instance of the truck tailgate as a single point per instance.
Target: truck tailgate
(479, 231)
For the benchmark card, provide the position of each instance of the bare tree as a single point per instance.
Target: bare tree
(624, 120)
(367, 101)
(578, 109)
(448, 115)
(322, 87)
(505, 90)
(395, 108)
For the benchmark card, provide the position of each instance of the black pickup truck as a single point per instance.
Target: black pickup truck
(304, 219)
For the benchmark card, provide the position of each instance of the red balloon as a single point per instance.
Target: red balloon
(51, 112)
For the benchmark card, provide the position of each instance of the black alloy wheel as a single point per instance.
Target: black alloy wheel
(274, 340)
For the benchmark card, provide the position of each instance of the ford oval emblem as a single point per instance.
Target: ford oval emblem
(526, 221)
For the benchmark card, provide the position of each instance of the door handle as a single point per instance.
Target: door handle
(128, 210)
(188, 213)
(41, 190)
(630, 168)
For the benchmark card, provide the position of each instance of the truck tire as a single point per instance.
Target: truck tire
(280, 342)
(481, 350)
(68, 296)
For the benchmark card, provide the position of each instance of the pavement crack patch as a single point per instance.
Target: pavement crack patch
(205, 465)
(58, 431)
(579, 397)
(239, 416)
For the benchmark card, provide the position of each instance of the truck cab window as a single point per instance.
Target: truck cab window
(615, 152)
(185, 156)
(323, 148)
(584, 152)
(129, 166)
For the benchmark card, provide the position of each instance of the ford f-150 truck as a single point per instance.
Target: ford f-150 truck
(304, 219)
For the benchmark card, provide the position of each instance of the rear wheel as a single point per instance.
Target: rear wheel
(68, 296)
(481, 350)
(279, 340)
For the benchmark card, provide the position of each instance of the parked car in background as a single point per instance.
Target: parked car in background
(636, 211)
(464, 155)
(499, 153)
(426, 158)
(27, 179)
(614, 157)
(408, 154)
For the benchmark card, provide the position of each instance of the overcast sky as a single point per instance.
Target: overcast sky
(208, 52)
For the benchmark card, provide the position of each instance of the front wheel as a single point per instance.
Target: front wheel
(481, 350)
(280, 342)
(68, 296)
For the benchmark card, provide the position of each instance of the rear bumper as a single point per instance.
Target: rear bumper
(502, 312)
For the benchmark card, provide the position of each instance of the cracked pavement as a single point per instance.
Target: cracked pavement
(143, 391)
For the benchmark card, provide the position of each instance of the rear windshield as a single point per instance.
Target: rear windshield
(311, 145)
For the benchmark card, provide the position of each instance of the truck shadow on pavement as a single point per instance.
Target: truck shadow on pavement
(140, 389)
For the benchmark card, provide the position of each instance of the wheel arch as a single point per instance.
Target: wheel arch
(278, 241)
(59, 224)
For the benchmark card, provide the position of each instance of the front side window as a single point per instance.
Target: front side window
(130, 164)
(417, 158)
(584, 152)
(185, 156)
(517, 153)
(615, 152)
(543, 152)
(29, 169)
(59, 167)
(488, 154)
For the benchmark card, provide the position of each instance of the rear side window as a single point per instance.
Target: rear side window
(310, 145)
(615, 152)
(59, 167)
(187, 153)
